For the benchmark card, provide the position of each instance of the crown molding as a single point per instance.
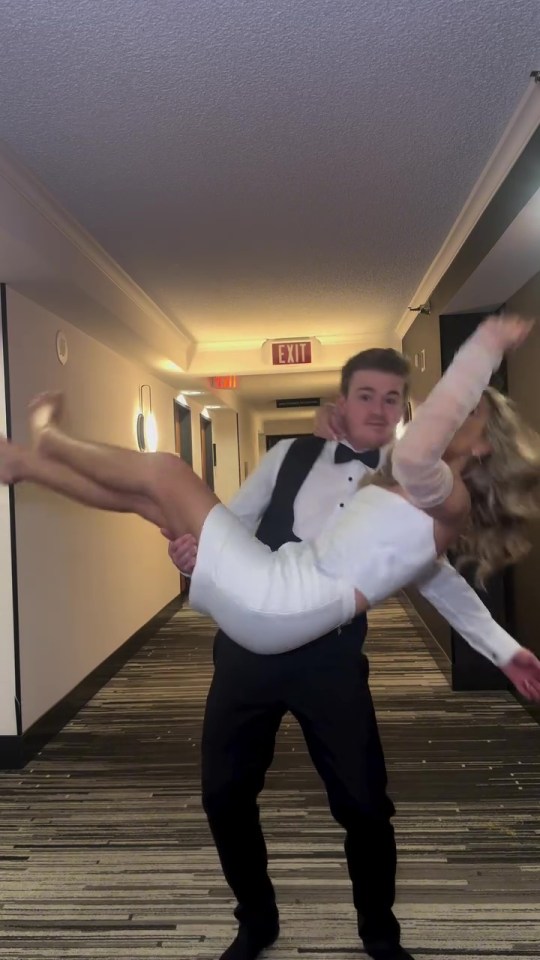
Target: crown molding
(256, 343)
(523, 124)
(34, 193)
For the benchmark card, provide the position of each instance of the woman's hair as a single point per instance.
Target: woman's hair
(504, 487)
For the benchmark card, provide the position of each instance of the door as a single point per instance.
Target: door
(184, 448)
(182, 433)
(208, 452)
(470, 670)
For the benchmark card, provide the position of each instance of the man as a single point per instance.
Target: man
(299, 487)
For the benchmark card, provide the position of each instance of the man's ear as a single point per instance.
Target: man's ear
(340, 402)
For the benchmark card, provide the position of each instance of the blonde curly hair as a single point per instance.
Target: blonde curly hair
(504, 487)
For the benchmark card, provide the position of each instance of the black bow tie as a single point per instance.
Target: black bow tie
(344, 454)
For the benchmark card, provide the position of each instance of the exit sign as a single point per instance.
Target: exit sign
(224, 383)
(298, 351)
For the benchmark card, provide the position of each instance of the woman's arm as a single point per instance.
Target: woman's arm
(417, 458)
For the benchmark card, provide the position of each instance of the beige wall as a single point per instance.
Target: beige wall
(196, 410)
(524, 388)
(249, 441)
(226, 470)
(225, 437)
(424, 335)
(248, 427)
(87, 580)
(8, 723)
(287, 427)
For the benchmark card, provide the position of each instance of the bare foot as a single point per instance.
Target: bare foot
(11, 461)
(45, 411)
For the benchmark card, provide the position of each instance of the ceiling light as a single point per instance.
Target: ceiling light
(147, 434)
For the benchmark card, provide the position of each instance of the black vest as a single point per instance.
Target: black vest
(276, 526)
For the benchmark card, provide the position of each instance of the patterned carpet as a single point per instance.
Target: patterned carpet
(105, 852)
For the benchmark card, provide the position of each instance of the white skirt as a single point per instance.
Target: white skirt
(269, 602)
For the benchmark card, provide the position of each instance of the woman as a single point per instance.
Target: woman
(466, 475)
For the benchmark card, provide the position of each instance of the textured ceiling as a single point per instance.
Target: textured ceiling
(265, 167)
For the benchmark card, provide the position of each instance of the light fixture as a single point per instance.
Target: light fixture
(192, 393)
(400, 429)
(147, 437)
(405, 420)
(182, 400)
(214, 406)
(62, 347)
(423, 308)
(205, 414)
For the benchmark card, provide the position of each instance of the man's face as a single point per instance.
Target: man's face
(372, 408)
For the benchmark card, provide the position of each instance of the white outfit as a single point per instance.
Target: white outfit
(323, 496)
(273, 602)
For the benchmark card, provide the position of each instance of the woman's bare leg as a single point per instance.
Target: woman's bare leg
(23, 464)
(183, 499)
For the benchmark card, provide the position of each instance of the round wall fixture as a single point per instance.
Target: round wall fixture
(61, 347)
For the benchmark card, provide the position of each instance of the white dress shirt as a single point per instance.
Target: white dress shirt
(325, 491)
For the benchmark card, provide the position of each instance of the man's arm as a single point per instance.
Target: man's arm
(248, 505)
(463, 609)
(253, 497)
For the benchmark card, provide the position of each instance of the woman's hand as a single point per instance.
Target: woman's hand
(328, 423)
(182, 551)
(507, 332)
(524, 672)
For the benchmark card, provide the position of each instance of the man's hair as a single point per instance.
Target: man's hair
(382, 359)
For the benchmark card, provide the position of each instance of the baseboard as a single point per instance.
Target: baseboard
(17, 751)
(430, 640)
(465, 669)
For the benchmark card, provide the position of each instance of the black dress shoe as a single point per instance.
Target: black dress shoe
(386, 951)
(250, 941)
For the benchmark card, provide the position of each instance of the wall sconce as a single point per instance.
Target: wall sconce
(405, 420)
(182, 400)
(147, 437)
(400, 429)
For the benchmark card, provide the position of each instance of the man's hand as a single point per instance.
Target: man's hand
(524, 672)
(183, 552)
(328, 423)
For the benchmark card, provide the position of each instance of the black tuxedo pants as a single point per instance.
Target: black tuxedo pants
(325, 686)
